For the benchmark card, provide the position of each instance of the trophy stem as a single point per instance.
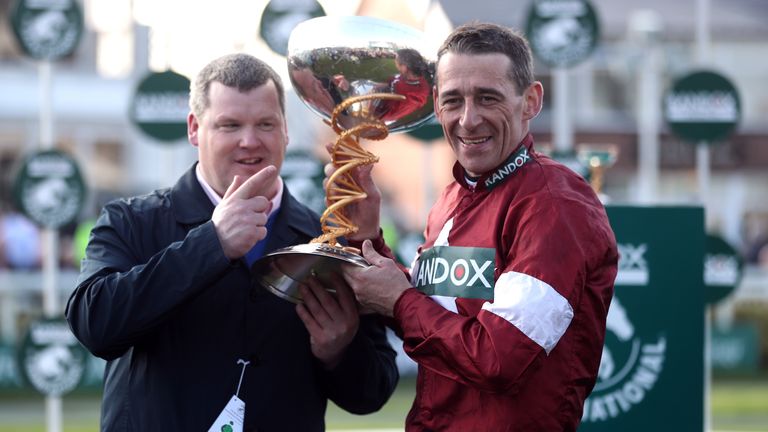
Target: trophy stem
(341, 189)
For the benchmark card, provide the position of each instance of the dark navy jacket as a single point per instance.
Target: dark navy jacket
(158, 299)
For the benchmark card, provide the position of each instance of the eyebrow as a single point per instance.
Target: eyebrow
(476, 90)
(489, 90)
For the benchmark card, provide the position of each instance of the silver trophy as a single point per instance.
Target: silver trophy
(597, 158)
(365, 77)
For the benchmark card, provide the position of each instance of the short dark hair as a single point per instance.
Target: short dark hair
(242, 71)
(413, 60)
(488, 38)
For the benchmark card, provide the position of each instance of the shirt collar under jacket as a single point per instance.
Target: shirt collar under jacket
(216, 199)
(482, 183)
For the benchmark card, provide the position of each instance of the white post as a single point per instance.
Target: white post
(50, 237)
(645, 27)
(703, 175)
(703, 45)
(563, 129)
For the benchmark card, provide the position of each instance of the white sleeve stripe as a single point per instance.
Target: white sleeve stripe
(448, 303)
(442, 238)
(533, 306)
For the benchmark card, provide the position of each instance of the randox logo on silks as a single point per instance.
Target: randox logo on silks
(452, 271)
(51, 359)
(511, 165)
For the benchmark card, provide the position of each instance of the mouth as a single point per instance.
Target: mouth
(250, 161)
(474, 141)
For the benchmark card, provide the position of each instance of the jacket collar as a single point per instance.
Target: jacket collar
(295, 223)
(188, 199)
(522, 154)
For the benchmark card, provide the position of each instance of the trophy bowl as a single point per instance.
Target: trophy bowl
(365, 77)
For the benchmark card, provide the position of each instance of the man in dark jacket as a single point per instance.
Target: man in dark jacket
(165, 292)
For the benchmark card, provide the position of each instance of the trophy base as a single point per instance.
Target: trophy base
(284, 270)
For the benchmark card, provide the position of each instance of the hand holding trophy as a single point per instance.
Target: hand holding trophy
(366, 78)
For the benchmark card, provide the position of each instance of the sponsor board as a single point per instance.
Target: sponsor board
(702, 106)
(723, 268)
(651, 372)
(47, 29)
(562, 33)
(49, 188)
(51, 360)
(280, 17)
(160, 106)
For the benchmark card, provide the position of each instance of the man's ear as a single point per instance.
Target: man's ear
(192, 128)
(534, 98)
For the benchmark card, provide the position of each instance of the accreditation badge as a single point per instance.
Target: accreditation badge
(231, 418)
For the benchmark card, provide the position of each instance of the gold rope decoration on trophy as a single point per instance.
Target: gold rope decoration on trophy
(347, 154)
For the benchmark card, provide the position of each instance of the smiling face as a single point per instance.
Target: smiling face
(239, 133)
(484, 117)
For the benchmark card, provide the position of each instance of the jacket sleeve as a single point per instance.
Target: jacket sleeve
(367, 375)
(544, 259)
(124, 290)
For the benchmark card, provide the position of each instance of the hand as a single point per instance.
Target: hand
(379, 286)
(363, 213)
(340, 81)
(331, 322)
(241, 216)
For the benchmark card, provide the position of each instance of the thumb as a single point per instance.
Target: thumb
(370, 254)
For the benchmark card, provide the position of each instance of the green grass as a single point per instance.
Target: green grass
(737, 405)
(391, 416)
(740, 397)
(740, 405)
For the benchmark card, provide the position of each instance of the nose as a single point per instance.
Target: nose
(250, 138)
(470, 116)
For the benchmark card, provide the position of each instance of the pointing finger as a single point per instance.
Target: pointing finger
(259, 184)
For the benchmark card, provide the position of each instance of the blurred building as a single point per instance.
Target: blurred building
(92, 90)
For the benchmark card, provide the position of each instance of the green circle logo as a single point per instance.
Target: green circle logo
(723, 268)
(161, 105)
(562, 33)
(49, 188)
(280, 17)
(702, 106)
(47, 29)
(51, 359)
